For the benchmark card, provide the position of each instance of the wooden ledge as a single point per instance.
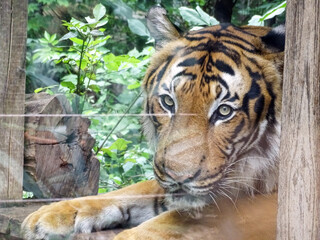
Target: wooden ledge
(12, 214)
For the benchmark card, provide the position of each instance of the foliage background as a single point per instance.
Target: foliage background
(96, 53)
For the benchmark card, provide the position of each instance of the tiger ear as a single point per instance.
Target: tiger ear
(273, 45)
(274, 41)
(160, 27)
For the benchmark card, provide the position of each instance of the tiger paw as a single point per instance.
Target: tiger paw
(60, 220)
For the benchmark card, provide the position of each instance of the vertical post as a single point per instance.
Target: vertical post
(299, 182)
(13, 28)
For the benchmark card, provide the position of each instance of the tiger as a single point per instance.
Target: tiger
(212, 115)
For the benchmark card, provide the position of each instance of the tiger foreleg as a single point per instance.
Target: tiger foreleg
(126, 207)
(249, 218)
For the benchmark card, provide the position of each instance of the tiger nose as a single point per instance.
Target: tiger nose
(181, 177)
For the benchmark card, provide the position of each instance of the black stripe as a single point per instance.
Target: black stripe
(154, 118)
(150, 74)
(189, 62)
(253, 93)
(163, 206)
(215, 47)
(189, 38)
(259, 107)
(271, 114)
(165, 87)
(242, 30)
(255, 135)
(232, 54)
(219, 34)
(239, 38)
(240, 46)
(226, 96)
(238, 129)
(222, 82)
(185, 73)
(164, 68)
(151, 83)
(219, 47)
(253, 61)
(147, 110)
(155, 206)
(224, 67)
(255, 76)
(156, 169)
(224, 152)
(162, 71)
(234, 98)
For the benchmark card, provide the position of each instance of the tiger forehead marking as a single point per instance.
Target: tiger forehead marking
(213, 102)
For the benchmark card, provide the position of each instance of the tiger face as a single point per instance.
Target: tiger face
(213, 101)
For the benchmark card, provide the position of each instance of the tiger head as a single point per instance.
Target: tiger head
(213, 102)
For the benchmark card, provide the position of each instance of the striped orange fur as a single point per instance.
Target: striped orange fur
(213, 105)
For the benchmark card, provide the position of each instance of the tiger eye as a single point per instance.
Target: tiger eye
(168, 100)
(225, 110)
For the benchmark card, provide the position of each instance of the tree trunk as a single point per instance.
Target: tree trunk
(299, 182)
(58, 150)
(13, 33)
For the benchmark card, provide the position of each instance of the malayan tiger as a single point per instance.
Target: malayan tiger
(212, 113)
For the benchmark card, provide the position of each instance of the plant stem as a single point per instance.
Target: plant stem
(83, 49)
(115, 126)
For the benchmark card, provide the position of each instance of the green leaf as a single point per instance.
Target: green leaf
(99, 40)
(32, 7)
(84, 64)
(91, 20)
(70, 78)
(69, 85)
(275, 11)
(53, 38)
(50, 92)
(47, 36)
(134, 85)
(94, 88)
(117, 180)
(102, 190)
(120, 144)
(102, 22)
(39, 90)
(206, 17)
(191, 16)
(63, 2)
(68, 36)
(109, 153)
(77, 40)
(127, 166)
(99, 11)
(96, 33)
(138, 27)
(43, 41)
(256, 21)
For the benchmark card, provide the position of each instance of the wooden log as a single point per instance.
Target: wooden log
(12, 217)
(58, 150)
(299, 182)
(13, 32)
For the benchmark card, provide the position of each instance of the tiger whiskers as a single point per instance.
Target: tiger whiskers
(238, 181)
(248, 158)
(212, 196)
(221, 191)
